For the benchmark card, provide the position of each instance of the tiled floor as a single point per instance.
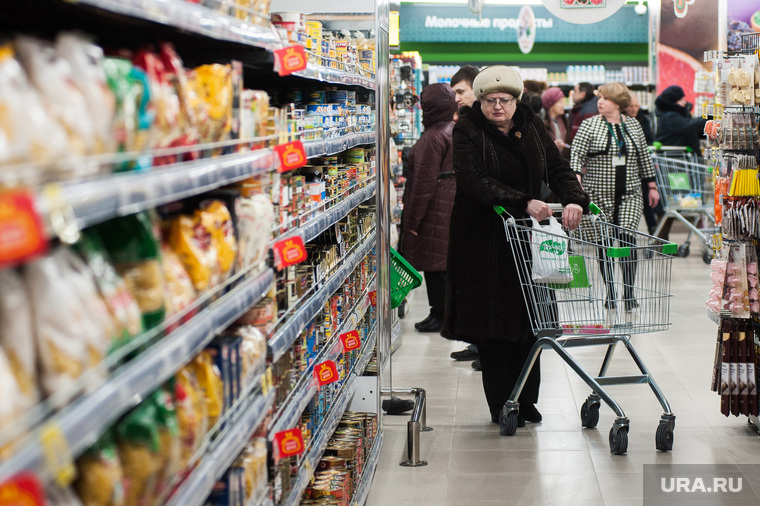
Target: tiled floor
(556, 461)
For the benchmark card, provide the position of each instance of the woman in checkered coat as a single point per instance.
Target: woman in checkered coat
(610, 156)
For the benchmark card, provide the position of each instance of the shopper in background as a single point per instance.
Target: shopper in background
(553, 101)
(651, 215)
(610, 154)
(502, 153)
(584, 106)
(461, 83)
(675, 125)
(537, 87)
(429, 197)
(533, 100)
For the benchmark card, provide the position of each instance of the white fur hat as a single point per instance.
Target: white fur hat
(498, 78)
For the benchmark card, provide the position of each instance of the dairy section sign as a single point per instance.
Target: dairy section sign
(501, 23)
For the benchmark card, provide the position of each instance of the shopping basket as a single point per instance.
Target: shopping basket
(620, 286)
(686, 187)
(404, 278)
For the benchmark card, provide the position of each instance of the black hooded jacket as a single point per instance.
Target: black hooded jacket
(676, 126)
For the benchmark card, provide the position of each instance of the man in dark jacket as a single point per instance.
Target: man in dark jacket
(675, 125)
(429, 197)
(584, 106)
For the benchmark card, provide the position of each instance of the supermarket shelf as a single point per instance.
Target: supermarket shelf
(366, 353)
(335, 76)
(85, 418)
(198, 485)
(307, 384)
(194, 18)
(315, 226)
(365, 482)
(121, 194)
(319, 443)
(281, 341)
(327, 147)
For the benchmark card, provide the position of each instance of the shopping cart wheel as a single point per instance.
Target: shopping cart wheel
(707, 257)
(664, 436)
(683, 250)
(590, 414)
(619, 440)
(508, 421)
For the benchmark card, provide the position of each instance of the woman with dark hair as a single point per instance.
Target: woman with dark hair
(557, 124)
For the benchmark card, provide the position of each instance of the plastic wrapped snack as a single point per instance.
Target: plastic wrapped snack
(193, 244)
(17, 336)
(170, 451)
(216, 218)
(86, 62)
(179, 289)
(191, 413)
(213, 100)
(255, 218)
(100, 479)
(253, 352)
(123, 309)
(210, 381)
(138, 442)
(12, 398)
(135, 252)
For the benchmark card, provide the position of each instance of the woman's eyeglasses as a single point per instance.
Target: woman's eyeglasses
(504, 102)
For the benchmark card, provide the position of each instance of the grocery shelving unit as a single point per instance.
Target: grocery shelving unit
(84, 203)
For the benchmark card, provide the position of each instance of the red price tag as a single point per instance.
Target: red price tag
(351, 340)
(289, 59)
(21, 234)
(326, 372)
(291, 155)
(289, 443)
(289, 251)
(373, 298)
(22, 490)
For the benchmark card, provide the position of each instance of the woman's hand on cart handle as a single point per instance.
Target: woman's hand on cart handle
(539, 209)
(571, 216)
(654, 197)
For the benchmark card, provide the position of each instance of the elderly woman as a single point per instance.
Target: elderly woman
(502, 153)
(611, 158)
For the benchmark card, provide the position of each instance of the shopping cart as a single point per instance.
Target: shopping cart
(686, 184)
(620, 287)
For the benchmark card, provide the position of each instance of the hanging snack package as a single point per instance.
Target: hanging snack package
(138, 443)
(170, 450)
(193, 245)
(210, 381)
(735, 292)
(65, 104)
(135, 252)
(255, 218)
(100, 480)
(86, 62)
(17, 336)
(63, 325)
(122, 307)
(178, 287)
(27, 134)
(217, 220)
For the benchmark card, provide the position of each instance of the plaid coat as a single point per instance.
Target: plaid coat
(591, 155)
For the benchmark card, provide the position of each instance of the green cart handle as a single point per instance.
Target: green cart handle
(591, 207)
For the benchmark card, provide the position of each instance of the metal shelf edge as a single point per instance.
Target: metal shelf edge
(198, 485)
(86, 417)
(365, 482)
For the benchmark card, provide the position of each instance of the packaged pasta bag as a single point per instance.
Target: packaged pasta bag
(86, 62)
(134, 249)
(179, 291)
(213, 99)
(17, 336)
(28, 133)
(11, 409)
(170, 450)
(191, 413)
(100, 479)
(138, 442)
(61, 322)
(217, 220)
(176, 77)
(210, 382)
(253, 353)
(65, 104)
(255, 218)
(123, 309)
(193, 244)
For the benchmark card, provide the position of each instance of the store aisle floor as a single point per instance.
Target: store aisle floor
(556, 461)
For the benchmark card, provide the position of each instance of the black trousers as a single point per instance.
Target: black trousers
(501, 367)
(436, 291)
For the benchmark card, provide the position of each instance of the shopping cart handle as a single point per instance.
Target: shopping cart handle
(594, 208)
(555, 207)
(499, 210)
